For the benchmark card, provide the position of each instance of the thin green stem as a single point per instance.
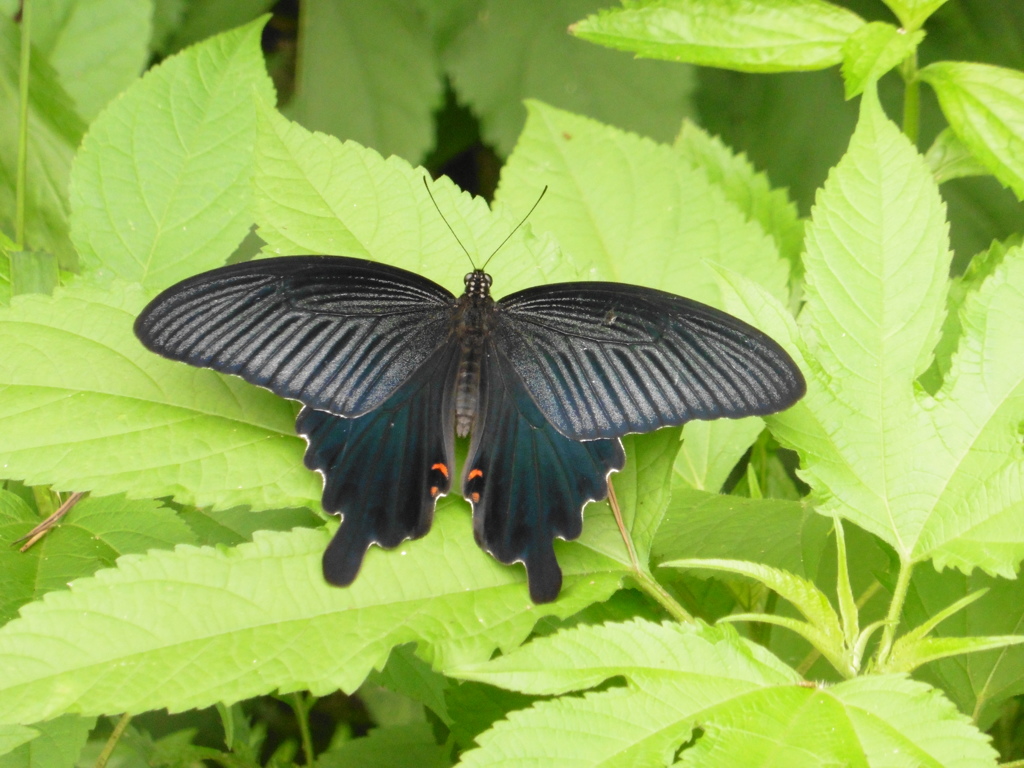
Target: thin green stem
(301, 707)
(892, 617)
(911, 98)
(23, 76)
(643, 577)
(108, 748)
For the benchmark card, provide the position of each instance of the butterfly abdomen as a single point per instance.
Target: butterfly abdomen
(474, 316)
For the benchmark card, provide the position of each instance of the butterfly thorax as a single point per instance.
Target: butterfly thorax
(474, 313)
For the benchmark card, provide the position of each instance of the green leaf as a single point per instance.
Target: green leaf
(876, 281)
(643, 487)
(91, 536)
(872, 51)
(747, 189)
(976, 516)
(745, 35)
(908, 656)
(475, 707)
(33, 272)
(368, 72)
(868, 721)
(84, 406)
(13, 736)
(515, 51)
(788, 535)
(950, 159)
(746, 703)
(54, 130)
(214, 625)
(638, 210)
(985, 107)
(98, 49)
(822, 629)
(238, 524)
(396, 746)
(982, 265)
(979, 683)
(407, 674)
(316, 194)
(160, 189)
(913, 13)
(57, 746)
(711, 449)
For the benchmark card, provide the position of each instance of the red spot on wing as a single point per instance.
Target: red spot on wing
(442, 468)
(474, 474)
(475, 497)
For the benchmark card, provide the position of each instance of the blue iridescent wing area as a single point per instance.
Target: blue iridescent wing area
(527, 483)
(384, 470)
(338, 334)
(605, 359)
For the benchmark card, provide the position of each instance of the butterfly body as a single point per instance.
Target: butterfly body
(390, 367)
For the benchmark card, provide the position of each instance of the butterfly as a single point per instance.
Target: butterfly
(390, 367)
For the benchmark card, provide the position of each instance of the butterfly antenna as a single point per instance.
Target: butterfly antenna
(532, 209)
(431, 195)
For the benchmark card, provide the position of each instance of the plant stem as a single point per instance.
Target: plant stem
(108, 748)
(643, 577)
(301, 707)
(23, 75)
(892, 617)
(911, 98)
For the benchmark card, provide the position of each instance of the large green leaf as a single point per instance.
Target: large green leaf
(746, 702)
(747, 35)
(937, 478)
(516, 51)
(367, 71)
(98, 49)
(84, 406)
(161, 186)
(194, 627)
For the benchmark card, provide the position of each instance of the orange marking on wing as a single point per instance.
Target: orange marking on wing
(434, 490)
(442, 468)
(475, 497)
(474, 474)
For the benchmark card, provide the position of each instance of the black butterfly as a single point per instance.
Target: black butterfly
(390, 366)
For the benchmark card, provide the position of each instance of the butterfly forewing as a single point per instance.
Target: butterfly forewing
(603, 359)
(338, 334)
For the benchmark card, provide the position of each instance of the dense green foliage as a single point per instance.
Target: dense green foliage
(836, 584)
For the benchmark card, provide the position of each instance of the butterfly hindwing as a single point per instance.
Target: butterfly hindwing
(528, 483)
(606, 359)
(384, 470)
(338, 334)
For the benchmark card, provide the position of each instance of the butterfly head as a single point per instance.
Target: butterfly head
(478, 284)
